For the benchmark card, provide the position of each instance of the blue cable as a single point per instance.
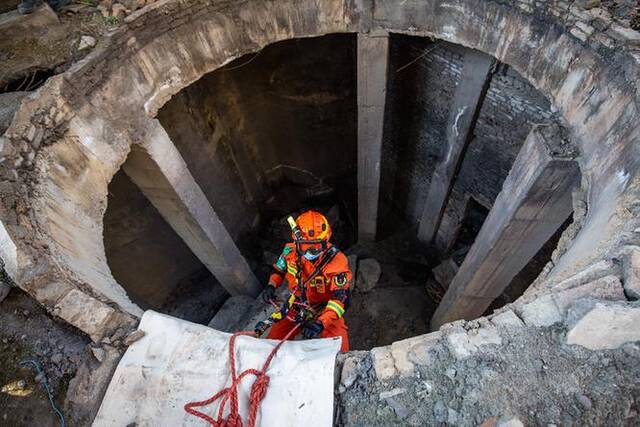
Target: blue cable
(36, 364)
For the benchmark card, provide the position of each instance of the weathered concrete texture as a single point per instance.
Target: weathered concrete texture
(534, 202)
(467, 100)
(589, 76)
(144, 254)
(465, 374)
(160, 172)
(606, 326)
(632, 274)
(373, 56)
(36, 41)
(9, 103)
(552, 308)
(87, 314)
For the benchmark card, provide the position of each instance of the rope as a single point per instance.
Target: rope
(230, 394)
(45, 382)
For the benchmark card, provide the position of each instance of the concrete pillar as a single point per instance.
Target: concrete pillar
(161, 173)
(474, 80)
(373, 57)
(534, 202)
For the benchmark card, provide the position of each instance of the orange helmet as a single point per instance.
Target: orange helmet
(314, 226)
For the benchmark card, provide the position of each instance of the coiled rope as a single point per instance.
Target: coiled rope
(230, 394)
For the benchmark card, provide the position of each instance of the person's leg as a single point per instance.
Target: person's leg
(280, 329)
(338, 328)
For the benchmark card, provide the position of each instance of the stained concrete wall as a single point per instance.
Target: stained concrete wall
(293, 104)
(422, 80)
(582, 61)
(144, 254)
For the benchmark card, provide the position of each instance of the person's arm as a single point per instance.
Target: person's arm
(339, 302)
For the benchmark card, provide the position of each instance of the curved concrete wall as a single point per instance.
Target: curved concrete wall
(68, 140)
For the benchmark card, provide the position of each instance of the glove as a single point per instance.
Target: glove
(260, 328)
(312, 330)
(269, 294)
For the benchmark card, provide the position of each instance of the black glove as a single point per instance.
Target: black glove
(261, 327)
(312, 329)
(269, 294)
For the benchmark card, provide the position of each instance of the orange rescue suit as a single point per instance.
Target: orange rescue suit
(327, 293)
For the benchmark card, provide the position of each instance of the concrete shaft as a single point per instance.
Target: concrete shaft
(161, 173)
(534, 202)
(464, 110)
(373, 57)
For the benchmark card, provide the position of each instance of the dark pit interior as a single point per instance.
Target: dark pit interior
(275, 132)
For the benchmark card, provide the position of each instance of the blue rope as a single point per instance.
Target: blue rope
(45, 382)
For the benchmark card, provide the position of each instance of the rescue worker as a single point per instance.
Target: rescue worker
(319, 280)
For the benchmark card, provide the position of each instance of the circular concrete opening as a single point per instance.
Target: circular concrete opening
(275, 132)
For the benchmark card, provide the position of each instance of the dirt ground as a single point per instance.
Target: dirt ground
(532, 376)
(27, 331)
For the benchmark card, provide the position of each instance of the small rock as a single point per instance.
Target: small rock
(383, 363)
(98, 353)
(585, 401)
(440, 411)
(513, 422)
(349, 372)
(86, 42)
(423, 390)
(445, 272)
(26, 313)
(23, 337)
(588, 4)
(452, 416)
(400, 410)
(451, 373)
(392, 393)
(57, 358)
(118, 11)
(39, 378)
(133, 337)
(369, 272)
(631, 270)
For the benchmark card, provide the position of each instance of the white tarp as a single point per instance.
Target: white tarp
(177, 362)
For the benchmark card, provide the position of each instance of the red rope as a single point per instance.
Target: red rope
(230, 394)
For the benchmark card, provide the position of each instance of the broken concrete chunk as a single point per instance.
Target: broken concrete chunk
(459, 344)
(541, 312)
(445, 272)
(413, 351)
(133, 337)
(86, 42)
(607, 288)
(383, 363)
(369, 272)
(631, 272)
(507, 319)
(349, 372)
(392, 393)
(593, 272)
(85, 313)
(606, 326)
(484, 336)
(513, 422)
